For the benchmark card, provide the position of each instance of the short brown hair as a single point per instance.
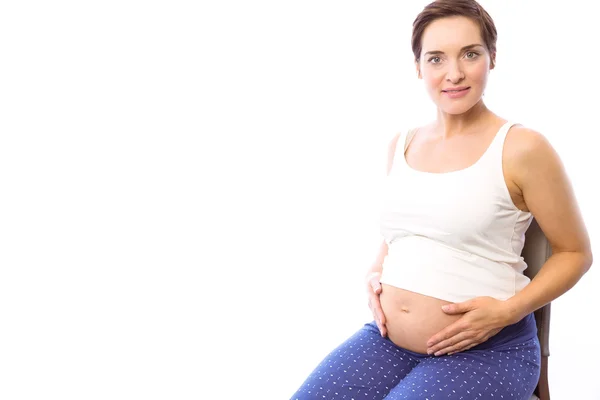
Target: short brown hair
(449, 8)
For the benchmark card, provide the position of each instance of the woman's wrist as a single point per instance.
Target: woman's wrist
(514, 310)
(373, 272)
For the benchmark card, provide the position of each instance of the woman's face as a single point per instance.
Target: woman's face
(454, 63)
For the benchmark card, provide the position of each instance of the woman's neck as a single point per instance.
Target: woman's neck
(451, 125)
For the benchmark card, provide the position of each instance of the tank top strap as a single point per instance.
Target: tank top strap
(409, 137)
(404, 139)
(494, 152)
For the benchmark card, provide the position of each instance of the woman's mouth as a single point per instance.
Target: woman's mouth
(457, 92)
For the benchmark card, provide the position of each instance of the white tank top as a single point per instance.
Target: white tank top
(454, 235)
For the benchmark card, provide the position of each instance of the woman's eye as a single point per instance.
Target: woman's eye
(434, 60)
(471, 54)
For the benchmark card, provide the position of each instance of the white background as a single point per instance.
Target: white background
(189, 190)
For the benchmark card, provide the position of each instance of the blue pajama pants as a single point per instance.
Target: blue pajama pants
(368, 367)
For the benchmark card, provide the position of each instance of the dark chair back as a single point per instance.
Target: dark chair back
(535, 252)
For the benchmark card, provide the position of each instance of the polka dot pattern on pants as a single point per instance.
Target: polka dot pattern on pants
(368, 367)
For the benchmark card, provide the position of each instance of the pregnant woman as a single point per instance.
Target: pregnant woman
(453, 311)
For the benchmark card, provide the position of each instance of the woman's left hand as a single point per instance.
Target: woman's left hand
(483, 317)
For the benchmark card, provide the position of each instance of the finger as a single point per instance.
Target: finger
(470, 346)
(375, 306)
(461, 346)
(487, 336)
(476, 341)
(447, 343)
(458, 308)
(373, 279)
(375, 285)
(382, 328)
(375, 314)
(379, 318)
(380, 313)
(447, 333)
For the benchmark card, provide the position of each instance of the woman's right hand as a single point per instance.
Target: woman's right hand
(373, 292)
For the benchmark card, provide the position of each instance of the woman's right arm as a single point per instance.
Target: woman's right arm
(374, 272)
(377, 265)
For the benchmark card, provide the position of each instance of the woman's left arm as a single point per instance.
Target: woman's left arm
(538, 171)
(549, 196)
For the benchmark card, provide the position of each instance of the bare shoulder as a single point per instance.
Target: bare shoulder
(522, 140)
(526, 151)
(546, 189)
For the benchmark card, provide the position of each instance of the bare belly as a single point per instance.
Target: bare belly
(412, 318)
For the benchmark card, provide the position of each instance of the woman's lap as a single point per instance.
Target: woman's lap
(369, 367)
(366, 366)
(509, 372)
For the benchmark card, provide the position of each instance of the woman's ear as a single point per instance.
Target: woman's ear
(418, 68)
(493, 60)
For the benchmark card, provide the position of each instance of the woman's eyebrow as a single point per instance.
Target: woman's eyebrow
(462, 49)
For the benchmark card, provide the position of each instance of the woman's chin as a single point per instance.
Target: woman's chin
(456, 109)
(456, 106)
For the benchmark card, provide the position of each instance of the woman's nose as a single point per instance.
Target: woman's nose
(455, 73)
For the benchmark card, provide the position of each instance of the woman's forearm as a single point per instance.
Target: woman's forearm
(559, 274)
(377, 265)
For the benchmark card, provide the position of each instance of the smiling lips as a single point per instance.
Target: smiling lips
(456, 92)
(456, 89)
